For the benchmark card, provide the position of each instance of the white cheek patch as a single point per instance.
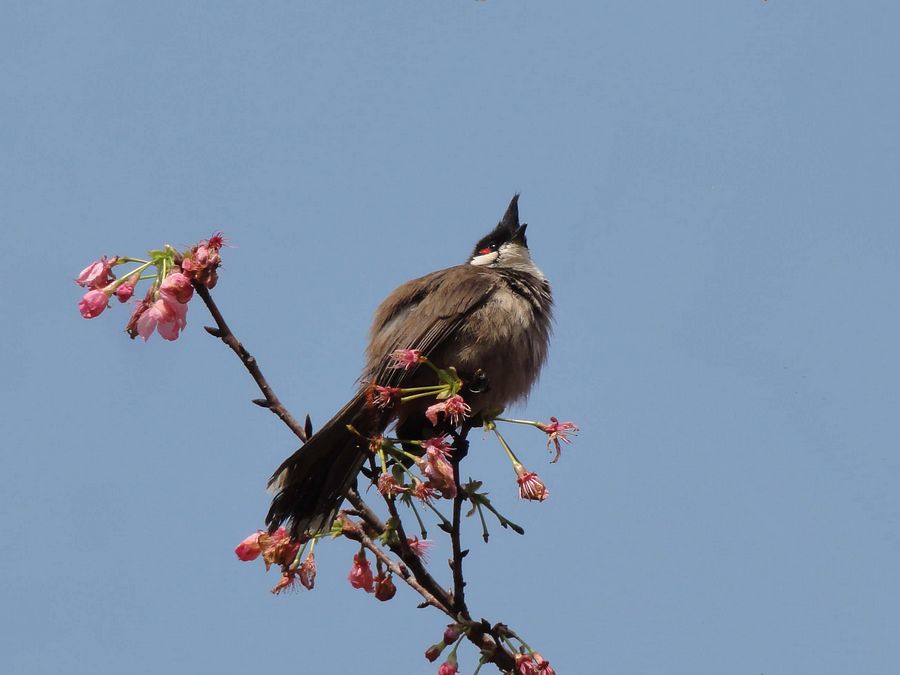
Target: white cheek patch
(484, 259)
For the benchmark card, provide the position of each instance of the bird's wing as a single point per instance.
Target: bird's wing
(422, 314)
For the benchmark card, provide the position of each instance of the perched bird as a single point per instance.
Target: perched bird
(489, 318)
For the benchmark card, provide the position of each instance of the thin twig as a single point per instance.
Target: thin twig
(223, 332)
(459, 583)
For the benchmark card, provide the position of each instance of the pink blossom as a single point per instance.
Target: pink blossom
(525, 665)
(93, 303)
(558, 431)
(361, 573)
(307, 572)
(166, 315)
(249, 548)
(530, 486)
(543, 664)
(177, 286)
(382, 397)
(439, 444)
(98, 274)
(439, 472)
(406, 358)
(455, 408)
(420, 546)
(533, 664)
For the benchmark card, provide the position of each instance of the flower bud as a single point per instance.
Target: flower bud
(384, 587)
(451, 633)
(93, 303)
(448, 667)
(434, 651)
(249, 548)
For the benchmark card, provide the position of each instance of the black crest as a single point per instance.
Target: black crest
(508, 229)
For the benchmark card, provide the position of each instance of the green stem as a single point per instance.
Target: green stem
(297, 558)
(431, 388)
(509, 452)
(422, 530)
(402, 453)
(404, 399)
(121, 280)
(530, 423)
(440, 515)
(484, 528)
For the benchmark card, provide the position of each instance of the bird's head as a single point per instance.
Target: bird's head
(505, 245)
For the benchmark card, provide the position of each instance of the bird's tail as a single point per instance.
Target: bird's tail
(310, 485)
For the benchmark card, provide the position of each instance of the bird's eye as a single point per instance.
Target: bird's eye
(485, 250)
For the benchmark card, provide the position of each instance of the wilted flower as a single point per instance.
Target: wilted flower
(557, 431)
(93, 303)
(140, 308)
(530, 486)
(278, 548)
(287, 582)
(405, 358)
(307, 571)
(361, 573)
(202, 261)
(455, 408)
(249, 548)
(388, 485)
(422, 491)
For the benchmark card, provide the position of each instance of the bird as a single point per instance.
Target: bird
(489, 318)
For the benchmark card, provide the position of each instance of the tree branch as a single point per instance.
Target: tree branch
(223, 332)
(480, 633)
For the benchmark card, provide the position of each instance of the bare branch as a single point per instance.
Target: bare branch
(223, 332)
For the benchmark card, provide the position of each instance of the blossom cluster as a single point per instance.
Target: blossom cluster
(381, 584)
(164, 307)
(278, 548)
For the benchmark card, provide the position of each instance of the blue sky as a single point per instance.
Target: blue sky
(711, 188)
